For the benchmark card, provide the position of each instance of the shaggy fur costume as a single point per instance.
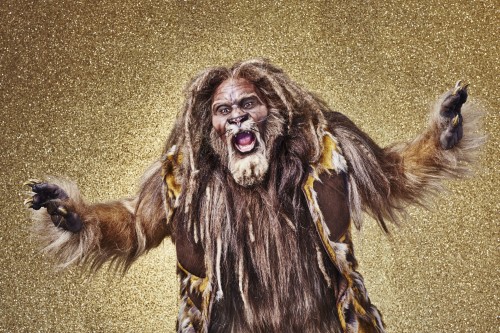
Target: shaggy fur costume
(276, 256)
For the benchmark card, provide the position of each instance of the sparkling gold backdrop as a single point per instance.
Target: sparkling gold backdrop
(89, 90)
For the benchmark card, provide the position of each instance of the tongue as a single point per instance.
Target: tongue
(244, 139)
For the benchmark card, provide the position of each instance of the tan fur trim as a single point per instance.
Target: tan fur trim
(192, 319)
(220, 293)
(250, 226)
(171, 162)
(331, 159)
(321, 265)
(141, 238)
(350, 310)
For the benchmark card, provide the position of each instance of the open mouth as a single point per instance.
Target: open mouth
(244, 141)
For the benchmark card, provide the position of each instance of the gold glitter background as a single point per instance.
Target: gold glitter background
(90, 89)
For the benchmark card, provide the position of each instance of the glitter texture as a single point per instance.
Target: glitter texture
(89, 90)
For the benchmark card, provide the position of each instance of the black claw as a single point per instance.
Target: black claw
(50, 191)
(463, 95)
(452, 103)
(31, 182)
(38, 200)
(45, 195)
(36, 206)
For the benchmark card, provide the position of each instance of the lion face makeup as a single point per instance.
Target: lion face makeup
(238, 118)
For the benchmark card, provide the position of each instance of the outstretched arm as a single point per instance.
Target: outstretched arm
(75, 232)
(383, 181)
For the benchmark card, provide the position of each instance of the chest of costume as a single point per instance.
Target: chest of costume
(252, 287)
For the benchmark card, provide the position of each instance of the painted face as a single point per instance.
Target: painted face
(238, 114)
(234, 102)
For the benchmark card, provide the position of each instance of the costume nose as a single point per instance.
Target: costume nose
(238, 120)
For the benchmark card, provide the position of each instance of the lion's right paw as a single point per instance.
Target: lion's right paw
(450, 112)
(53, 198)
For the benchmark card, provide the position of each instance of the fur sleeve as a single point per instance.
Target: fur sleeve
(383, 181)
(117, 231)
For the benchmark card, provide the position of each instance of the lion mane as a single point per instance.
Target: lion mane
(259, 241)
(246, 232)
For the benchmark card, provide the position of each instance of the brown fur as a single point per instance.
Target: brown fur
(116, 231)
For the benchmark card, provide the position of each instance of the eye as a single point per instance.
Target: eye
(223, 110)
(248, 103)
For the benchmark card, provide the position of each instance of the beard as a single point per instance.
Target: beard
(249, 168)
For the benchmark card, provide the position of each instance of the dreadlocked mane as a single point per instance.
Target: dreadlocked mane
(259, 226)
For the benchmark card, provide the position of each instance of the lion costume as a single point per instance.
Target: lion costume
(260, 207)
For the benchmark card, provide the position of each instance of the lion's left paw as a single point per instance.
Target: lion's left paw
(450, 111)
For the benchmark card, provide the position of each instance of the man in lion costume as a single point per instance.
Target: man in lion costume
(258, 187)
